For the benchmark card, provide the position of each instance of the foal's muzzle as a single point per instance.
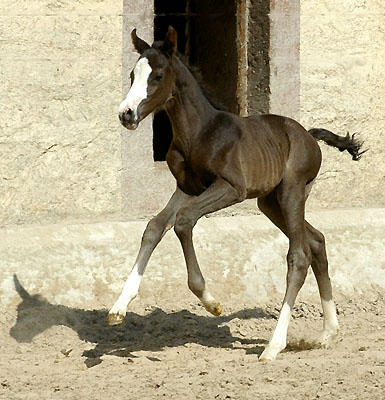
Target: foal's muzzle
(127, 118)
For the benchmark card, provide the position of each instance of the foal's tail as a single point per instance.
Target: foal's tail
(349, 143)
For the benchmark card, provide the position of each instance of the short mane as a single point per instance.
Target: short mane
(197, 74)
(206, 90)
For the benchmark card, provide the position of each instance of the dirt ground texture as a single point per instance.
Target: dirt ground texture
(171, 348)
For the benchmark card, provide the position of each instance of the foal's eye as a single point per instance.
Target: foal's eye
(158, 77)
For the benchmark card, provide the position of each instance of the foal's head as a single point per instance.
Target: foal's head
(151, 79)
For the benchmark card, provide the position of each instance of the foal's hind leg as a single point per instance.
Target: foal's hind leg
(219, 195)
(270, 207)
(320, 268)
(289, 212)
(154, 232)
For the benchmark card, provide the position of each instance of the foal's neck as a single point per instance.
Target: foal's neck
(189, 110)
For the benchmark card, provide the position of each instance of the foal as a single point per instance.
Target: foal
(219, 159)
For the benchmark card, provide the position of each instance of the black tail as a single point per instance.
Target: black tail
(349, 143)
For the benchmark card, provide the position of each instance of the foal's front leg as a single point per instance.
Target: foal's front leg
(154, 232)
(219, 195)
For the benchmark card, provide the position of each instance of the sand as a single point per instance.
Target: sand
(174, 350)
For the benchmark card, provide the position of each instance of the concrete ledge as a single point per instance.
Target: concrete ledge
(86, 264)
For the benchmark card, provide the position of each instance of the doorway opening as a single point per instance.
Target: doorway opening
(207, 35)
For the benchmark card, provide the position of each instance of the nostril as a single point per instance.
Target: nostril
(128, 112)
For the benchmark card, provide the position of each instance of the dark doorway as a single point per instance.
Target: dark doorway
(213, 47)
(167, 12)
(207, 36)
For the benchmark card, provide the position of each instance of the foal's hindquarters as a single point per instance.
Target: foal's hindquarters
(285, 207)
(306, 246)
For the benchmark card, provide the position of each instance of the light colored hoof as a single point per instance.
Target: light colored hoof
(270, 353)
(214, 308)
(115, 319)
(328, 339)
(265, 359)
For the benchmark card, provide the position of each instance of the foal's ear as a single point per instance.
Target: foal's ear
(139, 44)
(170, 42)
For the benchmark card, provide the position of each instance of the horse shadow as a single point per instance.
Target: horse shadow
(151, 332)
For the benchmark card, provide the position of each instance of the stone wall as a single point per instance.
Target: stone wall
(258, 55)
(60, 82)
(284, 53)
(65, 156)
(343, 89)
(243, 258)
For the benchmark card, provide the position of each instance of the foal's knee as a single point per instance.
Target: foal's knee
(317, 243)
(299, 258)
(183, 224)
(153, 232)
(318, 249)
(298, 261)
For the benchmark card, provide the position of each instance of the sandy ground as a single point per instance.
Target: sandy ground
(173, 349)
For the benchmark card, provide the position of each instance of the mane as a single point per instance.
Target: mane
(198, 76)
(206, 90)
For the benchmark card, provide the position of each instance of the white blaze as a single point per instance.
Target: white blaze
(138, 90)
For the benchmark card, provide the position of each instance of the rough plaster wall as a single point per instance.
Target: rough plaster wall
(85, 265)
(343, 89)
(284, 82)
(60, 79)
(258, 56)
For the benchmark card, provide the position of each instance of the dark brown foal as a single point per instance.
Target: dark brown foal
(219, 159)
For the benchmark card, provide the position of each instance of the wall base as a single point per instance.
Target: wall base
(86, 264)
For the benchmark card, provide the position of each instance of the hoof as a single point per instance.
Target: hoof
(328, 339)
(265, 360)
(270, 354)
(115, 319)
(214, 309)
